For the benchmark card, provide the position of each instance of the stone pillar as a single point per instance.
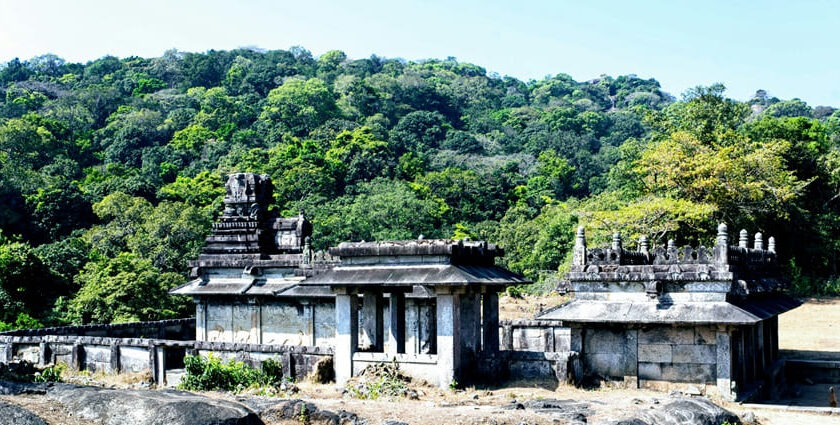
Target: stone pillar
(507, 337)
(741, 366)
(448, 338)
(160, 366)
(759, 349)
(200, 320)
(724, 366)
(576, 340)
(346, 335)
(490, 321)
(8, 352)
(396, 323)
(44, 355)
(77, 354)
(372, 326)
(722, 245)
(579, 252)
(746, 349)
(115, 358)
(470, 324)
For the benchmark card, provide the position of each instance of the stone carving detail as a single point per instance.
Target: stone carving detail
(756, 266)
(247, 227)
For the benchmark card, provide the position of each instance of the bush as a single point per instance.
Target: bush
(803, 285)
(210, 373)
(51, 374)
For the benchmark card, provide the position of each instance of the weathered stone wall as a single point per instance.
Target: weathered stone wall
(534, 335)
(711, 358)
(610, 352)
(155, 356)
(174, 329)
(560, 367)
(308, 323)
(677, 355)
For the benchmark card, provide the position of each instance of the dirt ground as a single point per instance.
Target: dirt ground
(812, 330)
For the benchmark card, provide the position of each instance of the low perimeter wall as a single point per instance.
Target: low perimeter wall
(177, 329)
(158, 357)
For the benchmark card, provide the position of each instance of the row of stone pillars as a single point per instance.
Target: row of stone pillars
(466, 323)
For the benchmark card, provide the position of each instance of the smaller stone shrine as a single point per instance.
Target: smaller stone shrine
(460, 276)
(676, 317)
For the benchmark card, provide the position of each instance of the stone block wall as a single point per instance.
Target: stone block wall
(610, 353)
(534, 335)
(670, 355)
(157, 357)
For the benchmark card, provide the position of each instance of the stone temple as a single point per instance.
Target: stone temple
(430, 304)
(704, 317)
(665, 318)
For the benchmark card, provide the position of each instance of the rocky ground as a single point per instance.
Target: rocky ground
(75, 404)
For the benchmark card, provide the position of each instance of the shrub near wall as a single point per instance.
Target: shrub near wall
(210, 373)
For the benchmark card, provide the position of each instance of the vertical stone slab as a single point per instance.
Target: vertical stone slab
(761, 366)
(153, 362)
(742, 360)
(724, 365)
(749, 353)
(244, 323)
(160, 366)
(200, 320)
(43, 353)
(372, 326)
(8, 352)
(576, 340)
(396, 323)
(448, 338)
(77, 354)
(346, 335)
(114, 362)
(470, 311)
(507, 337)
(427, 329)
(490, 321)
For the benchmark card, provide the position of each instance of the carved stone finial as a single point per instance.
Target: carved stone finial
(722, 245)
(616, 242)
(744, 239)
(672, 244)
(771, 244)
(644, 246)
(723, 234)
(579, 251)
(759, 241)
(421, 237)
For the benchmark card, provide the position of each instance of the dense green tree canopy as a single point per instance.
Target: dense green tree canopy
(112, 171)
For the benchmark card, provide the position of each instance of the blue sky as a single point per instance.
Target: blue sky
(791, 49)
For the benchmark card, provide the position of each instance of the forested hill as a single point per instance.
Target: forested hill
(112, 171)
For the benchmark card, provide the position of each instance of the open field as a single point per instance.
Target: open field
(812, 331)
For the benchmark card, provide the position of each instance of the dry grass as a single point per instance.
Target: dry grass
(528, 306)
